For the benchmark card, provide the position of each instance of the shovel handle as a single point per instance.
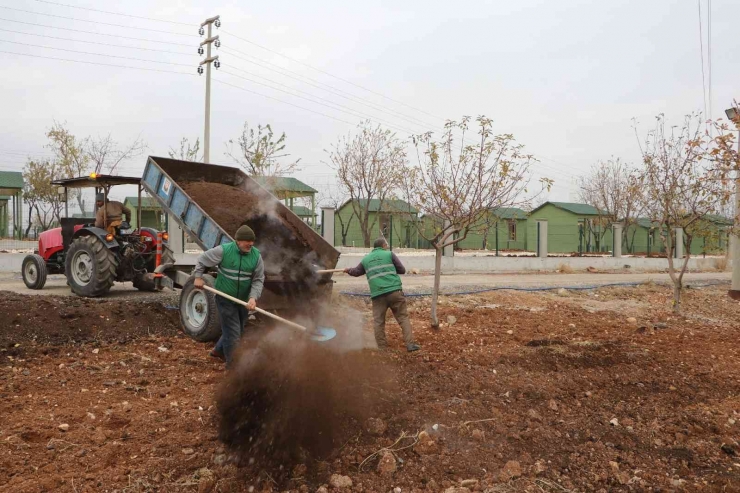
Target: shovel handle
(257, 309)
(327, 271)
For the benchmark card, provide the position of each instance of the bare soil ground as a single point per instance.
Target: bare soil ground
(601, 390)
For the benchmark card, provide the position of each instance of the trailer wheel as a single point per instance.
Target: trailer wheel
(198, 313)
(34, 271)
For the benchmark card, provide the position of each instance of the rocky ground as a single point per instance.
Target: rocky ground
(601, 390)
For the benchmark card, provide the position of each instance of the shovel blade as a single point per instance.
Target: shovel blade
(323, 334)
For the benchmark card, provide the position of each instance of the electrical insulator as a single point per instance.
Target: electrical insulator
(218, 23)
(200, 50)
(200, 70)
(217, 64)
(218, 43)
(201, 31)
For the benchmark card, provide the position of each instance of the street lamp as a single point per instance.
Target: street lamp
(734, 116)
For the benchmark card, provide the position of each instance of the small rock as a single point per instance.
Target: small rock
(339, 482)
(387, 463)
(322, 489)
(510, 332)
(660, 325)
(26, 373)
(553, 405)
(163, 349)
(588, 393)
(614, 422)
(414, 271)
(614, 466)
(562, 292)
(571, 326)
(534, 415)
(81, 453)
(632, 320)
(188, 451)
(479, 435)
(728, 449)
(174, 404)
(511, 470)
(95, 351)
(91, 416)
(426, 444)
(540, 467)
(672, 388)
(109, 384)
(220, 459)
(126, 406)
(468, 482)
(396, 490)
(376, 426)
(451, 319)
(63, 427)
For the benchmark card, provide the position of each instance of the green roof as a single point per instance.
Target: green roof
(578, 209)
(283, 184)
(146, 202)
(389, 205)
(6, 197)
(11, 180)
(509, 213)
(717, 219)
(302, 211)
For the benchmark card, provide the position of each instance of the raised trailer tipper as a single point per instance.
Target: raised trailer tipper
(210, 202)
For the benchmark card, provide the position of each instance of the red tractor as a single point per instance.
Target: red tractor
(91, 258)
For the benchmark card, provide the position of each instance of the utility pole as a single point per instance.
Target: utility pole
(734, 116)
(207, 62)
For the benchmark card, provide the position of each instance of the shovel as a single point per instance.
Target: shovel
(327, 271)
(319, 334)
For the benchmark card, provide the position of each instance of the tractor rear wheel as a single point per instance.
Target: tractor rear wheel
(34, 271)
(90, 267)
(198, 313)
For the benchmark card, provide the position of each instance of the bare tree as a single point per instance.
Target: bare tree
(187, 151)
(457, 187)
(43, 200)
(612, 187)
(70, 156)
(368, 166)
(259, 153)
(682, 184)
(105, 154)
(335, 199)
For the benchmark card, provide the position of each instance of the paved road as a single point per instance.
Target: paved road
(56, 284)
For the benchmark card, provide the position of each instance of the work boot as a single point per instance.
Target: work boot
(413, 347)
(215, 353)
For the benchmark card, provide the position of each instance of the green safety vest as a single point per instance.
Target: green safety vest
(381, 273)
(235, 271)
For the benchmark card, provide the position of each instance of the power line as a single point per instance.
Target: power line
(284, 102)
(95, 63)
(315, 83)
(95, 54)
(334, 105)
(114, 13)
(97, 43)
(96, 34)
(329, 74)
(94, 22)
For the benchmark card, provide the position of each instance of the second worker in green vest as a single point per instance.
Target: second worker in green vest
(382, 269)
(241, 274)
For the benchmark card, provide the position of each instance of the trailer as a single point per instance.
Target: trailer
(210, 202)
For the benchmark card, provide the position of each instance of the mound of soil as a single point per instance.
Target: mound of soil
(39, 321)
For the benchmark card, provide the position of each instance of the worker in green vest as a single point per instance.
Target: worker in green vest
(382, 268)
(241, 274)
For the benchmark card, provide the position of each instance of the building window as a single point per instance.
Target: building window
(512, 230)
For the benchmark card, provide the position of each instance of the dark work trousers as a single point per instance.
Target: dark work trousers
(233, 317)
(396, 301)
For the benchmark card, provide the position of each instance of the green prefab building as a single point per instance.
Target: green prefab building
(643, 237)
(152, 215)
(306, 214)
(394, 219)
(713, 236)
(11, 204)
(571, 228)
(506, 229)
(288, 189)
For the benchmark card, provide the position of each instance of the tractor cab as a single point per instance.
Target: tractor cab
(93, 258)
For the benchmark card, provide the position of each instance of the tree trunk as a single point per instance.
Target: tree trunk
(435, 291)
(677, 297)
(30, 219)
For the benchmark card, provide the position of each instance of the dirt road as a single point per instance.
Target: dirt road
(56, 284)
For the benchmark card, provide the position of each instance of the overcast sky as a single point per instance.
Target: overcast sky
(566, 77)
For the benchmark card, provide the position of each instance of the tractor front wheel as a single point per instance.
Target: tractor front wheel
(90, 267)
(33, 271)
(198, 313)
